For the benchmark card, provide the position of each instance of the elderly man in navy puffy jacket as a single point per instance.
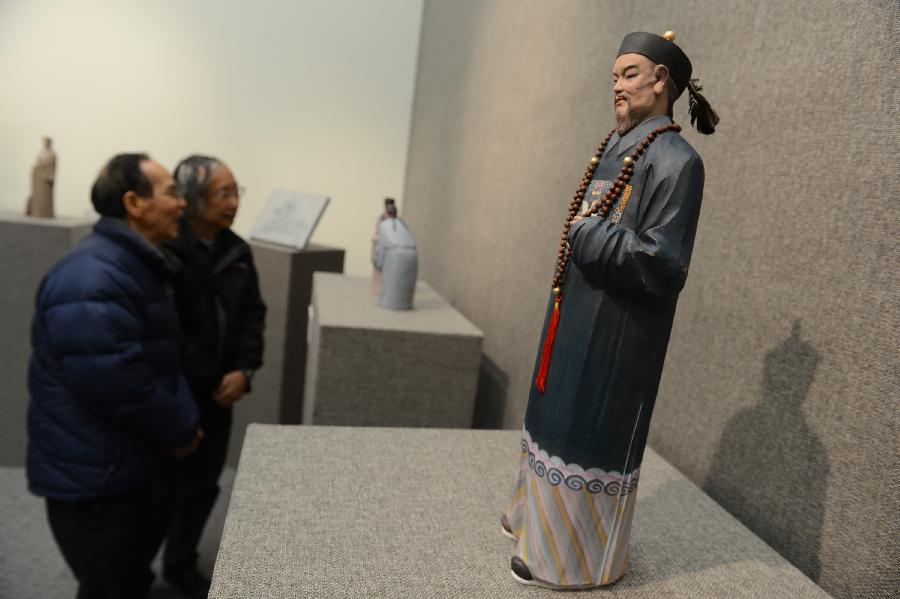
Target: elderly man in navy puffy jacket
(107, 396)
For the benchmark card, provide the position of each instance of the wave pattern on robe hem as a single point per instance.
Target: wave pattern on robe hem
(572, 527)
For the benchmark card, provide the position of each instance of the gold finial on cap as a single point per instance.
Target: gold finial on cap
(669, 35)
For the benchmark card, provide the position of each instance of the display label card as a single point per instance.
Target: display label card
(289, 218)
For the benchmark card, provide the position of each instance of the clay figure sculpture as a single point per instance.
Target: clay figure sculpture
(43, 173)
(622, 261)
(395, 259)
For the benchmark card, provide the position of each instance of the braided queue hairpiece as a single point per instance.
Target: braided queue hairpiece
(703, 117)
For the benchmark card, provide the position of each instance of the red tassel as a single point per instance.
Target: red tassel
(541, 381)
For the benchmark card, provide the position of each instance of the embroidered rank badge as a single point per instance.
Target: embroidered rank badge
(598, 189)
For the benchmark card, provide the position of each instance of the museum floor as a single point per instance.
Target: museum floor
(31, 566)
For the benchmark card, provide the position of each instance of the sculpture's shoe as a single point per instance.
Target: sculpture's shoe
(520, 571)
(522, 574)
(506, 529)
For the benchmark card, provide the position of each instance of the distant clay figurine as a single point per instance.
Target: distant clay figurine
(40, 203)
(395, 259)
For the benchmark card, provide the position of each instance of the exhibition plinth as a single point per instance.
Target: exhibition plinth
(369, 366)
(285, 281)
(321, 511)
(29, 247)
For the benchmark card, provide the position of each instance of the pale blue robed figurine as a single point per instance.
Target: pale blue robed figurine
(396, 260)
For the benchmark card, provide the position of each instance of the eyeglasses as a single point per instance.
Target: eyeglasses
(227, 193)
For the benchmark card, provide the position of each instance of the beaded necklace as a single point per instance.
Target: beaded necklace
(599, 208)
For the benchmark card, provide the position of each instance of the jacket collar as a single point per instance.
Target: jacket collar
(119, 232)
(187, 236)
(186, 233)
(225, 248)
(622, 144)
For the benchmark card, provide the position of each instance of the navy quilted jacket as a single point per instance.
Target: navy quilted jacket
(106, 391)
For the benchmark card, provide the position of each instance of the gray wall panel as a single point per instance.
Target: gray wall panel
(780, 394)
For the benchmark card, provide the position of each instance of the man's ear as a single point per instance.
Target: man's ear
(132, 203)
(661, 72)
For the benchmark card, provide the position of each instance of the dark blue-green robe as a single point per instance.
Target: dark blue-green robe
(618, 305)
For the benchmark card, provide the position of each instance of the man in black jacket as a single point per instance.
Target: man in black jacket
(222, 319)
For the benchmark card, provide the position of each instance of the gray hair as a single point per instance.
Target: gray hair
(192, 176)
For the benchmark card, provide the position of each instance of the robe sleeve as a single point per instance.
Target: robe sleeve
(650, 263)
(379, 253)
(50, 171)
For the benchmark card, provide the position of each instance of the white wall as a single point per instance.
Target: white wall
(311, 95)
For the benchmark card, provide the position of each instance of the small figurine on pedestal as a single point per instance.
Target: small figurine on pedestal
(40, 202)
(395, 259)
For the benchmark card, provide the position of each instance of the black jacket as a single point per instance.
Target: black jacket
(220, 310)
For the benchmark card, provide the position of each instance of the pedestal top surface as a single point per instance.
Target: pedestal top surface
(56, 221)
(311, 248)
(345, 301)
(321, 511)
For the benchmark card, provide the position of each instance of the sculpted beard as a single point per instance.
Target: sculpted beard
(632, 118)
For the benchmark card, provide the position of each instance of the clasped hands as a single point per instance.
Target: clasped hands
(585, 214)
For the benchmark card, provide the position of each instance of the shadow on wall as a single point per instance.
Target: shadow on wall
(490, 397)
(770, 469)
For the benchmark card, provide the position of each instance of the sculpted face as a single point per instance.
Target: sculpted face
(220, 202)
(638, 86)
(156, 217)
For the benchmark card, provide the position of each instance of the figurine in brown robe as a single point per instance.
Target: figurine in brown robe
(43, 173)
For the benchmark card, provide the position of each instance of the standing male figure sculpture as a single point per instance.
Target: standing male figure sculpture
(43, 173)
(623, 259)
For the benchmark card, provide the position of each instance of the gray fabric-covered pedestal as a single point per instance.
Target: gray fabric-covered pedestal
(285, 279)
(403, 512)
(28, 247)
(369, 366)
